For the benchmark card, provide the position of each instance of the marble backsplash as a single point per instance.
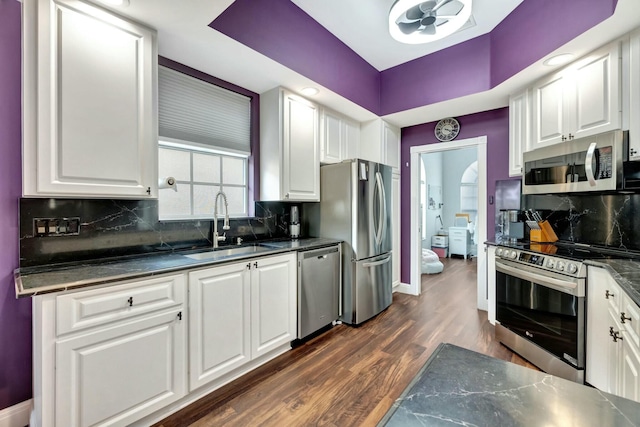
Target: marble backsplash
(611, 220)
(115, 228)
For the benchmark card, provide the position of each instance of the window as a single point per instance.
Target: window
(200, 173)
(204, 144)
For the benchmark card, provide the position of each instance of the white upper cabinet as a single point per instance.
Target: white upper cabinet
(89, 103)
(634, 96)
(519, 130)
(289, 147)
(380, 142)
(339, 137)
(581, 100)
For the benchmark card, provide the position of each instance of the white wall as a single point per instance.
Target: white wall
(433, 164)
(455, 163)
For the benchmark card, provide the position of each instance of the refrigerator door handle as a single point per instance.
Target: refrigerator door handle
(383, 232)
(376, 263)
(381, 206)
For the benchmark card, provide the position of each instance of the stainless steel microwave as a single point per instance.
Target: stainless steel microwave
(594, 163)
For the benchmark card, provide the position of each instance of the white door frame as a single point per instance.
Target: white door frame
(480, 143)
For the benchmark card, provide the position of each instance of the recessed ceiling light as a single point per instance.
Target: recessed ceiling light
(310, 91)
(121, 3)
(563, 58)
(419, 21)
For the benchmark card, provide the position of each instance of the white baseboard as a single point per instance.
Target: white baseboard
(403, 288)
(16, 415)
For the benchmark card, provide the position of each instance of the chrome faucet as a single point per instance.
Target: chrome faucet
(225, 225)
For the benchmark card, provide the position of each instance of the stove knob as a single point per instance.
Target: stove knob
(551, 263)
(572, 268)
(560, 266)
(499, 252)
(513, 254)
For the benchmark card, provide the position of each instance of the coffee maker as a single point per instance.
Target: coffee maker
(512, 225)
(294, 222)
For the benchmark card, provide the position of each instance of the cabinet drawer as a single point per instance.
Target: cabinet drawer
(613, 295)
(85, 309)
(630, 319)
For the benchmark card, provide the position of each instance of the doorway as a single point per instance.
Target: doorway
(419, 221)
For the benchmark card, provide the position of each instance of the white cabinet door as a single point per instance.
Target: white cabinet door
(380, 143)
(118, 374)
(519, 130)
(581, 100)
(331, 148)
(598, 341)
(273, 303)
(351, 144)
(289, 147)
(391, 138)
(395, 221)
(301, 178)
(549, 98)
(219, 322)
(90, 118)
(597, 93)
(629, 370)
(634, 96)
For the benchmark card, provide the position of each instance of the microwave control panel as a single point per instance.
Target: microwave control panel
(605, 162)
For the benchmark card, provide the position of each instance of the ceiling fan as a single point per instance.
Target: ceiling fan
(412, 21)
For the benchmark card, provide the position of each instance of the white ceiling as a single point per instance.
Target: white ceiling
(184, 36)
(363, 26)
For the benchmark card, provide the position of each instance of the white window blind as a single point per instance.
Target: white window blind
(192, 110)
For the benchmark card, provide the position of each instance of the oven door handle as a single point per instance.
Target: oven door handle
(557, 284)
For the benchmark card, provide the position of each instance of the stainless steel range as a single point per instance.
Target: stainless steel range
(540, 308)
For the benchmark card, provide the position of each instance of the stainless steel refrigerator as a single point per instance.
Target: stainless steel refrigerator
(355, 207)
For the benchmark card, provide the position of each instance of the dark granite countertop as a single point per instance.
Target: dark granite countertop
(626, 272)
(32, 281)
(461, 387)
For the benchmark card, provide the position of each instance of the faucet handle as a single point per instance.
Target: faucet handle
(239, 240)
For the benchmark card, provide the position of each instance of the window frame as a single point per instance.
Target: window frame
(253, 181)
(191, 148)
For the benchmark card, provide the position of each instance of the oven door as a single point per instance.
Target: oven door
(542, 307)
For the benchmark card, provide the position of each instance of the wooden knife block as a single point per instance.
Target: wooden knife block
(545, 234)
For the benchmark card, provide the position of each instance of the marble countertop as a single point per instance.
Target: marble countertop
(461, 387)
(624, 270)
(32, 281)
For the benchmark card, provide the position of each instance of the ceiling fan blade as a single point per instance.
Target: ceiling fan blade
(414, 13)
(440, 4)
(427, 6)
(429, 29)
(408, 27)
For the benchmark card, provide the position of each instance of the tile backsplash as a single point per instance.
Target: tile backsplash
(113, 228)
(611, 220)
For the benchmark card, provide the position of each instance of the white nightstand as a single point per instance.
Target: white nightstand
(459, 241)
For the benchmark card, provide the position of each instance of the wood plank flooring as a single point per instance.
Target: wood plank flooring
(351, 376)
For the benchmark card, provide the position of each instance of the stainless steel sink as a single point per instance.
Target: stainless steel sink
(220, 253)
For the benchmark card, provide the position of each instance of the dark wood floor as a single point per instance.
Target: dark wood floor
(351, 376)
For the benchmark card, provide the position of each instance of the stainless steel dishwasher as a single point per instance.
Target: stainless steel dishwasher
(319, 283)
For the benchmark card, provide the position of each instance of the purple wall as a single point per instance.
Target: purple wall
(495, 125)
(536, 28)
(285, 33)
(15, 315)
(460, 70)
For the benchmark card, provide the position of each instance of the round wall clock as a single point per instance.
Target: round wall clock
(447, 129)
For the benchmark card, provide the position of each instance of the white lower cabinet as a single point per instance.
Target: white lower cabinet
(219, 322)
(123, 359)
(395, 221)
(238, 313)
(118, 354)
(118, 374)
(612, 354)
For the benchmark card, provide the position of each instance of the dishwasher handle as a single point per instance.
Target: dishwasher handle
(319, 253)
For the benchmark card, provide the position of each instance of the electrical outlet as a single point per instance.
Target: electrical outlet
(49, 227)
